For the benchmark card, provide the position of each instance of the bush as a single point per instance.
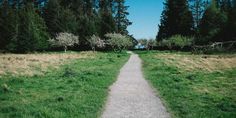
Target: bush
(150, 44)
(118, 41)
(95, 41)
(64, 40)
(177, 41)
(147, 43)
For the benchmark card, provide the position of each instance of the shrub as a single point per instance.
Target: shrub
(95, 41)
(64, 40)
(147, 43)
(177, 41)
(150, 44)
(143, 42)
(118, 41)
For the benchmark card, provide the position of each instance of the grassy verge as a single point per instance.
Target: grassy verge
(78, 89)
(192, 90)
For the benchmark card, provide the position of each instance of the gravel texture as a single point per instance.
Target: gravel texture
(131, 96)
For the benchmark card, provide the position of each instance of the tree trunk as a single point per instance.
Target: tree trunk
(93, 49)
(65, 48)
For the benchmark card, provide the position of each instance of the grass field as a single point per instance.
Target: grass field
(36, 64)
(73, 85)
(193, 86)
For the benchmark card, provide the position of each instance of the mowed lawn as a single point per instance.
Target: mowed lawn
(57, 85)
(193, 86)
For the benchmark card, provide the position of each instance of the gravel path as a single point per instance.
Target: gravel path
(131, 96)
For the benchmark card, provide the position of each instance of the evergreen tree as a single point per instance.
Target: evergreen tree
(231, 32)
(86, 15)
(197, 7)
(67, 21)
(227, 31)
(86, 28)
(107, 24)
(32, 34)
(234, 3)
(176, 19)
(218, 3)
(225, 5)
(122, 22)
(88, 21)
(52, 16)
(211, 25)
(8, 26)
(89, 7)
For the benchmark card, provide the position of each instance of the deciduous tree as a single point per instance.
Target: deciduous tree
(95, 41)
(64, 40)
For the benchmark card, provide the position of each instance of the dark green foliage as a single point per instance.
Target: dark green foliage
(8, 26)
(59, 19)
(67, 21)
(197, 8)
(77, 6)
(87, 27)
(232, 23)
(212, 22)
(80, 17)
(176, 19)
(51, 17)
(217, 24)
(228, 32)
(224, 5)
(32, 31)
(107, 24)
(23, 30)
(121, 19)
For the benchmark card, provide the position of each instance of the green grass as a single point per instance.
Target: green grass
(76, 90)
(195, 94)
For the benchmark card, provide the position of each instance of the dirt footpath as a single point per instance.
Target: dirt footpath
(131, 96)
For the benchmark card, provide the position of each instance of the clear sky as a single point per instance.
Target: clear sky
(145, 15)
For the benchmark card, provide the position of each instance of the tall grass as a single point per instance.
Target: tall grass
(191, 94)
(77, 90)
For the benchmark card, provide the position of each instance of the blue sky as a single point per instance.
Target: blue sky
(145, 15)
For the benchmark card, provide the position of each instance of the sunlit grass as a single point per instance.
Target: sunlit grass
(78, 89)
(192, 93)
(38, 63)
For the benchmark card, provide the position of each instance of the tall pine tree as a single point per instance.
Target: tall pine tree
(107, 24)
(176, 19)
(32, 30)
(122, 22)
(232, 22)
(211, 24)
(52, 17)
(198, 8)
(8, 26)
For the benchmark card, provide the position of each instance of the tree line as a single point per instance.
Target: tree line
(205, 21)
(27, 25)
